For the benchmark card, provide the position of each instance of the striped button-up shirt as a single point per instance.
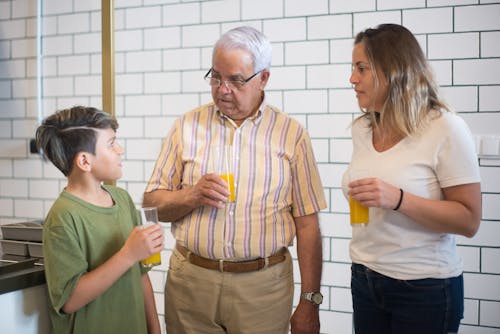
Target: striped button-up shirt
(276, 179)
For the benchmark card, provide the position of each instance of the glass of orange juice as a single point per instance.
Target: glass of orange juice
(359, 214)
(150, 216)
(223, 165)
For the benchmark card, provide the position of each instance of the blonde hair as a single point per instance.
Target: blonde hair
(413, 96)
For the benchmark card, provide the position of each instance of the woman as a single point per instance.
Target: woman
(423, 189)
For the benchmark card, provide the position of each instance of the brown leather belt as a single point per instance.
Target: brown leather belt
(230, 266)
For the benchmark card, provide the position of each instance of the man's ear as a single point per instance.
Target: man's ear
(83, 161)
(264, 78)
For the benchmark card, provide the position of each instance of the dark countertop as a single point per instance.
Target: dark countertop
(19, 272)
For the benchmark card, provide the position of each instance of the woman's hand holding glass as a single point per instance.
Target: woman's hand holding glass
(373, 192)
(359, 213)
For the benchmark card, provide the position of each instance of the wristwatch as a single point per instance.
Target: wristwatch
(313, 297)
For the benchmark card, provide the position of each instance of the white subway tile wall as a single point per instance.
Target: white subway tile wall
(163, 49)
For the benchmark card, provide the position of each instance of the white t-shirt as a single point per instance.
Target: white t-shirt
(393, 244)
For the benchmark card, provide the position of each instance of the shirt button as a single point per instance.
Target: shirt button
(231, 213)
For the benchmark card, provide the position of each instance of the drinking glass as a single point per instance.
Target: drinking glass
(359, 213)
(222, 159)
(149, 216)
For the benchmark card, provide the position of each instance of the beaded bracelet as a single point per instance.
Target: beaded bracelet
(400, 199)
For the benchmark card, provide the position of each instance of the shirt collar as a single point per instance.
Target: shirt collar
(255, 118)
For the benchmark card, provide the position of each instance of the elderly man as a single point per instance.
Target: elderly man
(231, 271)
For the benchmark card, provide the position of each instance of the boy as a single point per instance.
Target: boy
(91, 244)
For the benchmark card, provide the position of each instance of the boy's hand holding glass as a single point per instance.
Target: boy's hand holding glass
(149, 221)
(144, 242)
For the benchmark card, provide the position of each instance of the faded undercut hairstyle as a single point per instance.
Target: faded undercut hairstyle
(413, 95)
(64, 134)
(250, 40)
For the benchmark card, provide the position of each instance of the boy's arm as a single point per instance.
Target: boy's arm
(140, 244)
(150, 306)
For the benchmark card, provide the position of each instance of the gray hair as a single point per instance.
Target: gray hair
(251, 40)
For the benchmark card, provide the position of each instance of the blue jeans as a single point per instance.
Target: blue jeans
(385, 305)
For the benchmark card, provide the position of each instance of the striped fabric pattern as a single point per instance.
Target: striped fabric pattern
(276, 179)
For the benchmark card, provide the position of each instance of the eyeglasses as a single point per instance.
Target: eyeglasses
(230, 84)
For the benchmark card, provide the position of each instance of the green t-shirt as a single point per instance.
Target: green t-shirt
(77, 238)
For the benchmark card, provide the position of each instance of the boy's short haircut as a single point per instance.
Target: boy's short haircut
(69, 131)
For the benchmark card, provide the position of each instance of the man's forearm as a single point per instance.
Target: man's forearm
(172, 205)
(309, 252)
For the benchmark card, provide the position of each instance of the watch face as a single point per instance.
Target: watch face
(317, 298)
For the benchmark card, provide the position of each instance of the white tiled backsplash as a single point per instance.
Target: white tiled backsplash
(163, 49)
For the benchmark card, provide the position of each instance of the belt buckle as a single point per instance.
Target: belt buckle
(221, 265)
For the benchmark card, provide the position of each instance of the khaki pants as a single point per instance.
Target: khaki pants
(199, 300)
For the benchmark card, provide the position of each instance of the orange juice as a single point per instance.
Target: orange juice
(148, 217)
(152, 261)
(359, 213)
(229, 178)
